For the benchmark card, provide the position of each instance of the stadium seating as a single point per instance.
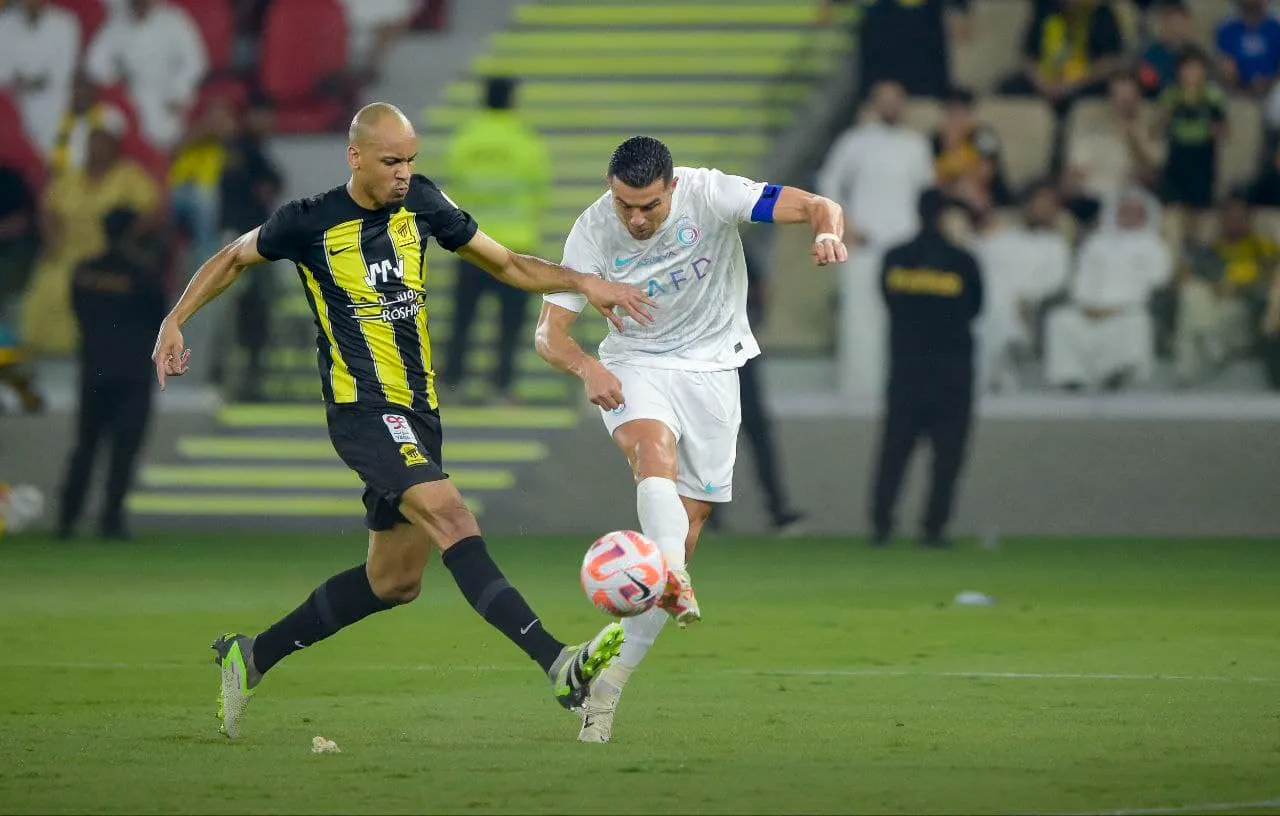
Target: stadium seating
(993, 48)
(216, 22)
(16, 150)
(304, 45)
(91, 13)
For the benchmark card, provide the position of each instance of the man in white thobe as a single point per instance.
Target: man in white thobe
(1105, 335)
(1022, 265)
(38, 47)
(876, 171)
(157, 51)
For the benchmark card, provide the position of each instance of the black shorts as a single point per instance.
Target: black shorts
(392, 449)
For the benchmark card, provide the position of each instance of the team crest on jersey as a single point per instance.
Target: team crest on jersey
(403, 232)
(687, 233)
(412, 456)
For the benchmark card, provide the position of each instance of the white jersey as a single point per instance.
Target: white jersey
(692, 267)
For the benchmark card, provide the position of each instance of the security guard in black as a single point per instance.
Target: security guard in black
(933, 291)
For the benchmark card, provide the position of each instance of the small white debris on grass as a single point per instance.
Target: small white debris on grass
(972, 598)
(320, 745)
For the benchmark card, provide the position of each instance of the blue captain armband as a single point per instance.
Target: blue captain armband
(762, 212)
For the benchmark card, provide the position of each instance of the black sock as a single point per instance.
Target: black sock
(341, 601)
(488, 592)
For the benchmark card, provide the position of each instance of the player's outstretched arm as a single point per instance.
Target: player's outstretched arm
(171, 354)
(536, 275)
(557, 347)
(824, 216)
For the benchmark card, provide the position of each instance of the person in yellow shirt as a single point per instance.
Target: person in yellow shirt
(1223, 293)
(71, 216)
(499, 170)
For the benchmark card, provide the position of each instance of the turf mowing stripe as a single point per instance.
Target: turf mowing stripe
(217, 447)
(253, 505)
(1208, 807)
(667, 14)
(312, 416)
(299, 478)
(426, 667)
(981, 675)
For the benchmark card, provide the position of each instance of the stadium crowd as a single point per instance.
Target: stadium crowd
(1118, 163)
(159, 109)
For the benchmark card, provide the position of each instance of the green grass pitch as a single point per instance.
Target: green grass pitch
(826, 677)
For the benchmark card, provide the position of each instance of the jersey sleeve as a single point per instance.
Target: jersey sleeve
(735, 199)
(580, 255)
(283, 236)
(452, 226)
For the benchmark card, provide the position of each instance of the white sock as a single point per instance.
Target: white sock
(639, 633)
(662, 518)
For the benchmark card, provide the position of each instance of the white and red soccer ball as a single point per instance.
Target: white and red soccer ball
(624, 573)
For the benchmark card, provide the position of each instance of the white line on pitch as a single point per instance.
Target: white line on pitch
(1209, 807)
(990, 675)
(849, 673)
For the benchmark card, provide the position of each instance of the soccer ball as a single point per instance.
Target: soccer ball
(20, 506)
(624, 573)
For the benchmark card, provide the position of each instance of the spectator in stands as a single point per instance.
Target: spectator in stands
(1022, 265)
(1071, 48)
(1104, 336)
(878, 169)
(1249, 47)
(119, 301)
(373, 26)
(1107, 154)
(1174, 34)
(1265, 192)
(500, 169)
(1193, 118)
(86, 111)
(1223, 293)
(38, 47)
(195, 179)
(71, 225)
(250, 185)
(908, 42)
(157, 51)
(18, 247)
(967, 152)
(1271, 335)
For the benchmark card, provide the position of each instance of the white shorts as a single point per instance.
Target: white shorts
(703, 409)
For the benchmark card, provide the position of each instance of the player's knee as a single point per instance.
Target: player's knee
(396, 588)
(654, 457)
(446, 519)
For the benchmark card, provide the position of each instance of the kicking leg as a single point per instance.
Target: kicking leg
(438, 510)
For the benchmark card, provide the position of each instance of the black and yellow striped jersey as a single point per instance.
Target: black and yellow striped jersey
(365, 272)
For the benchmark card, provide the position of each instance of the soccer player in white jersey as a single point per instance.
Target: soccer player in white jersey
(668, 392)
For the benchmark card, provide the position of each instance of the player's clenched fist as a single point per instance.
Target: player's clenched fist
(603, 388)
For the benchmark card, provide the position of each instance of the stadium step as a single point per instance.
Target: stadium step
(716, 81)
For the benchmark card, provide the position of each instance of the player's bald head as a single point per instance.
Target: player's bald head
(379, 122)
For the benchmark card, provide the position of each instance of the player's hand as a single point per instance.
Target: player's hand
(605, 296)
(171, 354)
(828, 250)
(603, 388)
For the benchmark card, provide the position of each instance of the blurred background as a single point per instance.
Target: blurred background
(137, 135)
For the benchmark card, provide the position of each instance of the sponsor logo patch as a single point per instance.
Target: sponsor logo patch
(399, 428)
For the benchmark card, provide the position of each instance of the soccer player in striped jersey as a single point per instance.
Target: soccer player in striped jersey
(360, 253)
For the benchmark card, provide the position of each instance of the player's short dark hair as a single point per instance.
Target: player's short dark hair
(499, 93)
(640, 161)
